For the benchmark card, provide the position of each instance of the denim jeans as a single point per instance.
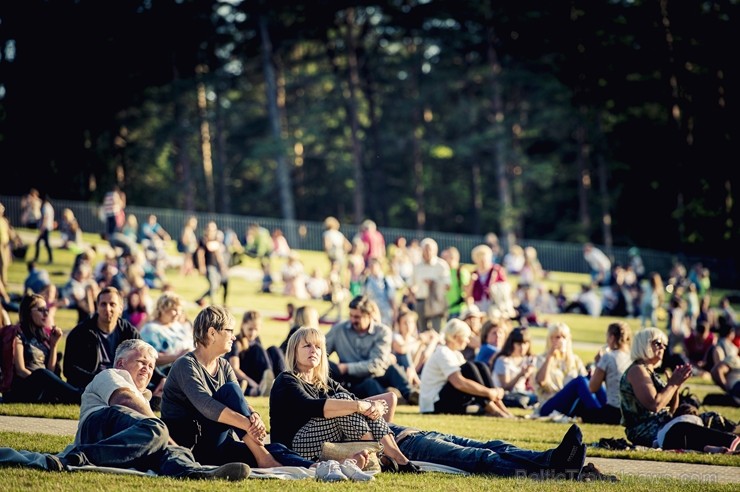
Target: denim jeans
(119, 437)
(494, 457)
(363, 387)
(577, 389)
(216, 444)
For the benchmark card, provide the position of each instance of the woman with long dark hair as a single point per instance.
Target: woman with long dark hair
(36, 377)
(513, 365)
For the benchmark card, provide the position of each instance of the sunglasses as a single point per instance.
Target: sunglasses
(659, 345)
(42, 310)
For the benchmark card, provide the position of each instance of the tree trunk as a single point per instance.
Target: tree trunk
(283, 172)
(205, 139)
(584, 177)
(378, 207)
(676, 114)
(182, 158)
(224, 198)
(606, 216)
(353, 84)
(499, 146)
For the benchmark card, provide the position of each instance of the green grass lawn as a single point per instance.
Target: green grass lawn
(244, 294)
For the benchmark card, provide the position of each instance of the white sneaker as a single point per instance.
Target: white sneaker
(329, 471)
(353, 472)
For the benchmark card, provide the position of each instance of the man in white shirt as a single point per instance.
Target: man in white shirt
(117, 427)
(599, 263)
(429, 286)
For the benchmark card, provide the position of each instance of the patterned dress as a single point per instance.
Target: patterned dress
(641, 425)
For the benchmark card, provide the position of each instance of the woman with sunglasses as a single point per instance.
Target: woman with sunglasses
(648, 403)
(36, 376)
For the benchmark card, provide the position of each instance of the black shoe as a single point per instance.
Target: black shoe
(54, 464)
(410, 467)
(574, 434)
(230, 471)
(76, 458)
(571, 467)
(568, 458)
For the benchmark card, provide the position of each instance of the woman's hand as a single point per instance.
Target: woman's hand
(373, 409)
(55, 335)
(257, 429)
(680, 375)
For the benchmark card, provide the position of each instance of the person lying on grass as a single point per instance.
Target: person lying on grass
(117, 427)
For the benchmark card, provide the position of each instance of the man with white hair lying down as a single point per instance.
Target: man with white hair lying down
(117, 427)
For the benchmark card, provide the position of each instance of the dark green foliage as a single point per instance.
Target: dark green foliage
(99, 92)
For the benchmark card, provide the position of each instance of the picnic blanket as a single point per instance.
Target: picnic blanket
(31, 459)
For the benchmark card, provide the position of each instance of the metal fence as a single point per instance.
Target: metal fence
(307, 235)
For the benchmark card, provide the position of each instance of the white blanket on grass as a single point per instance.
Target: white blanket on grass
(10, 456)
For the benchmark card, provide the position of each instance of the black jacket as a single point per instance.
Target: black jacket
(82, 352)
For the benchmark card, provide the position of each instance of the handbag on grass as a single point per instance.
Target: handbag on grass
(340, 451)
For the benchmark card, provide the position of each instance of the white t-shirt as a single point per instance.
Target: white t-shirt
(438, 271)
(335, 242)
(613, 363)
(506, 368)
(101, 388)
(443, 363)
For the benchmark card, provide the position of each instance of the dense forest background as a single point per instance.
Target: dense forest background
(614, 121)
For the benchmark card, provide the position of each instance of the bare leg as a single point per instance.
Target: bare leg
(261, 454)
(390, 448)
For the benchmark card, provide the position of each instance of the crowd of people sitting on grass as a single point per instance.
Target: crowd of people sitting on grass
(422, 329)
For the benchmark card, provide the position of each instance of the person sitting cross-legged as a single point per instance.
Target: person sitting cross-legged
(450, 384)
(204, 406)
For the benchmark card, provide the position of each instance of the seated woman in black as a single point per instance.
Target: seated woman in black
(36, 375)
(255, 366)
(307, 408)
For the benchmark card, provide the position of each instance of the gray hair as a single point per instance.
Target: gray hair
(134, 345)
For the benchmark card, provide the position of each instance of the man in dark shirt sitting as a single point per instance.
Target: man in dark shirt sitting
(91, 345)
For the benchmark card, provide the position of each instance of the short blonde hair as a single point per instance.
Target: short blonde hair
(167, 301)
(310, 335)
(455, 327)
(481, 251)
(642, 343)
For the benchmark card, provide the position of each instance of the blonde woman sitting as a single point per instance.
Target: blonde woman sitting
(561, 376)
(308, 408)
(450, 384)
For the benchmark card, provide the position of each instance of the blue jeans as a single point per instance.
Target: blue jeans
(565, 400)
(363, 387)
(494, 457)
(216, 444)
(119, 437)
